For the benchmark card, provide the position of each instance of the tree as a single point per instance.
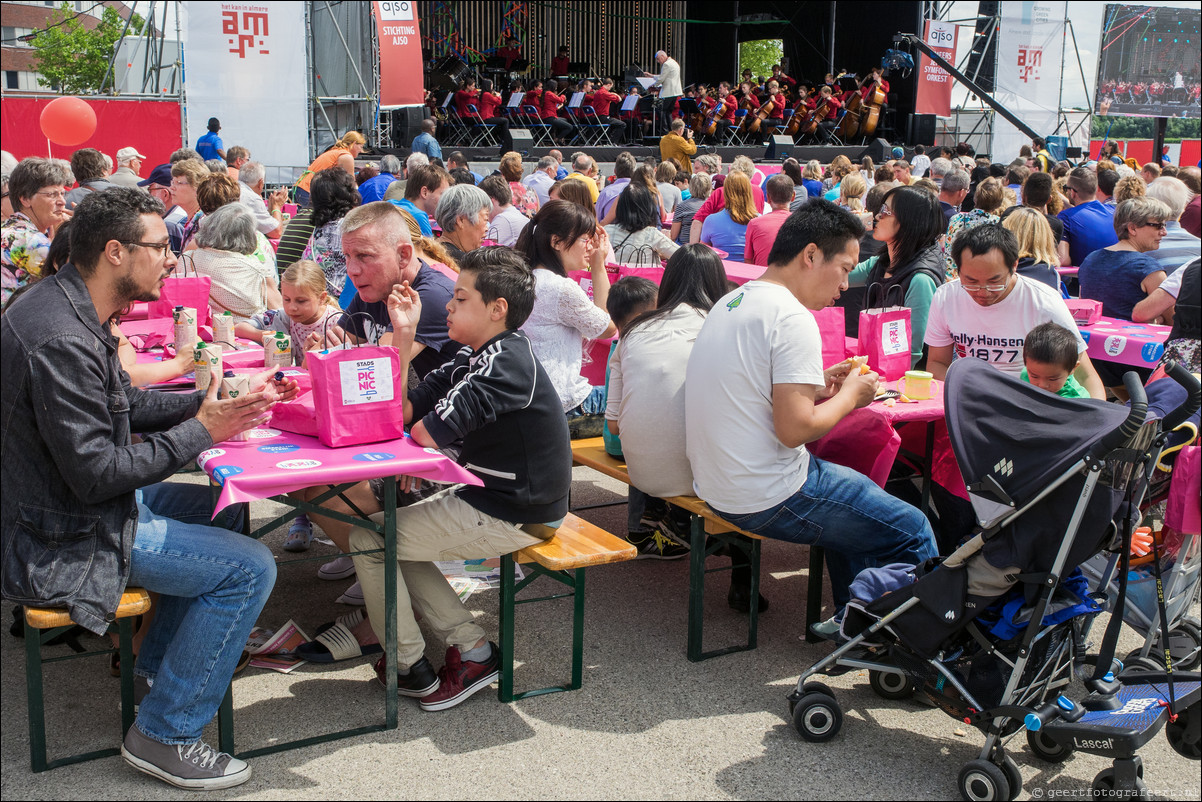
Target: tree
(72, 59)
(1122, 128)
(760, 55)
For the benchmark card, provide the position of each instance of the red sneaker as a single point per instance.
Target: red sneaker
(460, 678)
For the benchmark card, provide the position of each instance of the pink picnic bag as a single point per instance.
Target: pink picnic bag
(358, 394)
(298, 415)
(834, 339)
(184, 290)
(1184, 510)
(885, 335)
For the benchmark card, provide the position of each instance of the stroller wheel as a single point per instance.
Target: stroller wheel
(1013, 776)
(888, 685)
(1185, 645)
(1046, 749)
(1134, 662)
(1105, 785)
(982, 781)
(817, 717)
(1183, 741)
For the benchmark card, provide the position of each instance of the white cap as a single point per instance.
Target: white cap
(125, 154)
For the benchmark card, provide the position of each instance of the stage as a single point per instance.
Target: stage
(878, 149)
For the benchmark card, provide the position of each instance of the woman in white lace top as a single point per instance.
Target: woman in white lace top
(635, 232)
(564, 238)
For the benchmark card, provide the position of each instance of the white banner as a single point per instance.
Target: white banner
(1029, 54)
(245, 65)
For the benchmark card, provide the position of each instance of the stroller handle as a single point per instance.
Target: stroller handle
(1133, 422)
(1182, 376)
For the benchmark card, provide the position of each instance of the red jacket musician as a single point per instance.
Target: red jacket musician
(602, 100)
(832, 104)
(465, 96)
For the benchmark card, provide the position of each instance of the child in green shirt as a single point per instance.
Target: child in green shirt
(1049, 358)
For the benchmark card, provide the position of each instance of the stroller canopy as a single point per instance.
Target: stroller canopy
(1013, 437)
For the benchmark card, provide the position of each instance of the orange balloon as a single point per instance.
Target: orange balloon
(68, 121)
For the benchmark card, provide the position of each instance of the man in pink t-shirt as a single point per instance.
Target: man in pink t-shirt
(761, 232)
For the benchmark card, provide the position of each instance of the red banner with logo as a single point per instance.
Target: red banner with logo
(151, 126)
(934, 82)
(401, 81)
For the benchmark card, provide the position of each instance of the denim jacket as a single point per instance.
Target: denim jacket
(68, 470)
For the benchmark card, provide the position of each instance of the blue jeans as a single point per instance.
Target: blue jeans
(301, 197)
(593, 404)
(212, 584)
(859, 524)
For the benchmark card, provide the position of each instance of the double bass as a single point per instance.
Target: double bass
(871, 112)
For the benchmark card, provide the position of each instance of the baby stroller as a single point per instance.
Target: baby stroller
(1172, 569)
(989, 635)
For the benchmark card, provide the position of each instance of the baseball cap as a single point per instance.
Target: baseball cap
(125, 154)
(159, 175)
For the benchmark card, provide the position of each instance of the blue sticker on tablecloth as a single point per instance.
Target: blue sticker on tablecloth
(282, 448)
(1152, 352)
(222, 471)
(374, 456)
(1085, 335)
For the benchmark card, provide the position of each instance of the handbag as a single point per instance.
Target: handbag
(885, 335)
(192, 291)
(358, 394)
(1184, 510)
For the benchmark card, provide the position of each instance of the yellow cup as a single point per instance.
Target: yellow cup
(917, 384)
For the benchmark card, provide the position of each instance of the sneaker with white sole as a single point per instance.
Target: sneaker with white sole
(195, 766)
(352, 596)
(655, 545)
(338, 568)
(460, 678)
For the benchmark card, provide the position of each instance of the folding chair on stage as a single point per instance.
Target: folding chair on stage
(478, 131)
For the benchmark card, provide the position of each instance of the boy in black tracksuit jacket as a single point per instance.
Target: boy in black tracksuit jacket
(496, 398)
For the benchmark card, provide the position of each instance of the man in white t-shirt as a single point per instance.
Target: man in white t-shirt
(751, 387)
(987, 313)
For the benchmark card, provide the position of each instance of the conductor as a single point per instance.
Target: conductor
(670, 89)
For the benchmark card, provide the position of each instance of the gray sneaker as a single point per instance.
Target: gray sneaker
(195, 766)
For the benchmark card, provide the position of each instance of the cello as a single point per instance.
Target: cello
(753, 125)
(871, 112)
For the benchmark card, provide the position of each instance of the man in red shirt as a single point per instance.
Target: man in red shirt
(559, 64)
(548, 111)
(511, 52)
(601, 100)
(761, 232)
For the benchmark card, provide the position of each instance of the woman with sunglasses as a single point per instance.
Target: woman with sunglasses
(37, 189)
(910, 266)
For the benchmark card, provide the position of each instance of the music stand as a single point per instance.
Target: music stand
(449, 98)
(688, 106)
(575, 101)
(630, 102)
(515, 100)
(847, 83)
(495, 64)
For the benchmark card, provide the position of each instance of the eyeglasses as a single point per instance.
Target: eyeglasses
(179, 182)
(57, 194)
(982, 287)
(884, 212)
(163, 247)
(1150, 224)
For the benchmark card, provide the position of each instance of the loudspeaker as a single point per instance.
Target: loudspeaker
(880, 150)
(778, 147)
(921, 130)
(406, 124)
(523, 140)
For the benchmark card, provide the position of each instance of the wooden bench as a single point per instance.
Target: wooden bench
(577, 545)
(709, 533)
(43, 624)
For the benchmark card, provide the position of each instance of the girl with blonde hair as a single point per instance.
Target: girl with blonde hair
(1037, 257)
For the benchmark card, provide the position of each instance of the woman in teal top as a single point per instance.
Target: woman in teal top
(909, 223)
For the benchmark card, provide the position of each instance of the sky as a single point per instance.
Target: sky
(1086, 19)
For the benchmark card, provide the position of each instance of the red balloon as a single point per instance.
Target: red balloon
(68, 121)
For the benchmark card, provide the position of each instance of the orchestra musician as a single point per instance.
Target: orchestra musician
(874, 78)
(826, 97)
(487, 104)
(601, 100)
(559, 64)
(548, 102)
(726, 117)
(782, 80)
(776, 117)
(635, 125)
(511, 52)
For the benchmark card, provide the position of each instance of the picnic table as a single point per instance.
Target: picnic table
(268, 464)
(1138, 344)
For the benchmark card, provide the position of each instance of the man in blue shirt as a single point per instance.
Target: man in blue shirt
(1088, 224)
(425, 141)
(373, 189)
(422, 192)
(210, 145)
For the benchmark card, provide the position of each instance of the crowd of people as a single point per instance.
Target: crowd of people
(479, 282)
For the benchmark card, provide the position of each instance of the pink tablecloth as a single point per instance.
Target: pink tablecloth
(1137, 344)
(869, 439)
(1067, 270)
(148, 337)
(271, 462)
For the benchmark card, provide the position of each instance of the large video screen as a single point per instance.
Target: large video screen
(1148, 62)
